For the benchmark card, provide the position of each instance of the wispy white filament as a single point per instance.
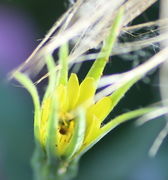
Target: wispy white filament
(87, 22)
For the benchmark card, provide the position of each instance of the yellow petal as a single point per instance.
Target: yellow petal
(92, 125)
(72, 91)
(89, 116)
(95, 115)
(87, 91)
(102, 108)
(92, 130)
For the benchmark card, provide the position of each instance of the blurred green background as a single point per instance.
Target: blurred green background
(121, 155)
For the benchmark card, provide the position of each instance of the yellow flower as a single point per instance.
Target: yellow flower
(72, 97)
(69, 121)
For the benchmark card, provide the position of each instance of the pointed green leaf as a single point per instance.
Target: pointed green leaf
(63, 62)
(116, 122)
(125, 117)
(52, 77)
(51, 132)
(52, 123)
(53, 119)
(28, 84)
(99, 64)
(119, 93)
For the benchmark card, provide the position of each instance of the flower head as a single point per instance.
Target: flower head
(69, 120)
(72, 97)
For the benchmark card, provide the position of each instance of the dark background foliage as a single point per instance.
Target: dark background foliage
(122, 154)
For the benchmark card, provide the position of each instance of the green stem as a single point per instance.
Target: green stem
(62, 170)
